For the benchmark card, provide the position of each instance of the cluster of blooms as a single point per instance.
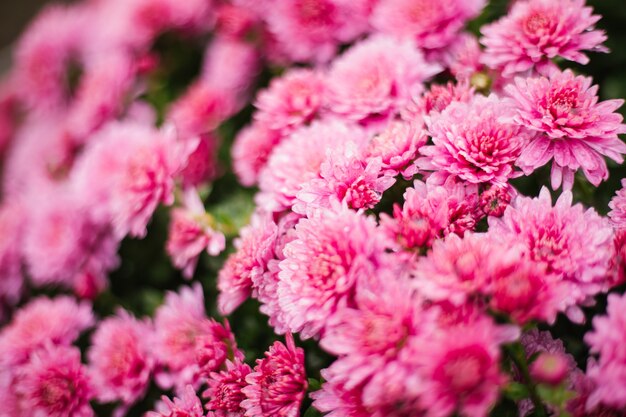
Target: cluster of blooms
(41, 373)
(388, 223)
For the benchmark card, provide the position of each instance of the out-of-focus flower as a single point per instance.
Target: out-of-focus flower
(572, 127)
(187, 405)
(550, 368)
(618, 207)
(251, 150)
(437, 99)
(536, 31)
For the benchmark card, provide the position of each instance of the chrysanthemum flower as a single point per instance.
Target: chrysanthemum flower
(332, 251)
(120, 359)
(187, 405)
(572, 127)
(54, 384)
(437, 99)
(574, 244)
(225, 390)
(618, 207)
(252, 147)
(433, 25)
(475, 141)
(536, 31)
(12, 222)
(277, 385)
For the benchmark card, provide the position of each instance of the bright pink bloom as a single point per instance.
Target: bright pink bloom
(376, 77)
(338, 401)
(225, 390)
(297, 159)
(494, 200)
(12, 222)
(550, 368)
(201, 163)
(474, 141)
(278, 383)
(433, 25)
(59, 321)
(311, 30)
(345, 177)
(618, 207)
(332, 251)
(235, 21)
(574, 244)
(437, 99)
(251, 150)
(120, 359)
(536, 31)
(397, 147)
(460, 367)
(431, 211)
(291, 100)
(54, 384)
(244, 267)
(573, 128)
(607, 341)
(192, 232)
(188, 405)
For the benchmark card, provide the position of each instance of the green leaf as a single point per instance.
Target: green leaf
(516, 391)
(312, 412)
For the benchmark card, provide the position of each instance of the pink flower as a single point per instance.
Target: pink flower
(59, 321)
(12, 222)
(474, 141)
(188, 405)
(550, 368)
(461, 373)
(536, 31)
(607, 341)
(54, 384)
(338, 401)
(297, 159)
(311, 30)
(252, 148)
(574, 244)
(374, 78)
(432, 25)
(247, 264)
(291, 100)
(618, 207)
(191, 232)
(225, 392)
(278, 383)
(120, 359)
(463, 57)
(332, 251)
(397, 147)
(494, 200)
(431, 211)
(573, 128)
(345, 177)
(437, 99)
(201, 165)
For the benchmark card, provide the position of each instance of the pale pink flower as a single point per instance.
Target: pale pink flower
(575, 244)
(120, 359)
(43, 320)
(432, 25)
(606, 340)
(291, 100)
(345, 177)
(311, 30)
(536, 31)
(254, 248)
(431, 211)
(225, 390)
(475, 141)
(460, 367)
(54, 384)
(338, 401)
(277, 385)
(191, 232)
(376, 77)
(252, 147)
(188, 405)
(572, 127)
(618, 207)
(235, 21)
(297, 159)
(332, 251)
(437, 99)
(397, 147)
(463, 57)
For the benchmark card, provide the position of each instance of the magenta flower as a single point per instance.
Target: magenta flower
(225, 392)
(277, 385)
(54, 384)
(572, 127)
(187, 405)
(432, 25)
(437, 99)
(120, 359)
(12, 222)
(618, 207)
(494, 200)
(332, 251)
(536, 31)
(575, 244)
(474, 141)
(606, 340)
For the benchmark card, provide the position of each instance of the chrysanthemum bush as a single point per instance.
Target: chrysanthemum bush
(282, 208)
